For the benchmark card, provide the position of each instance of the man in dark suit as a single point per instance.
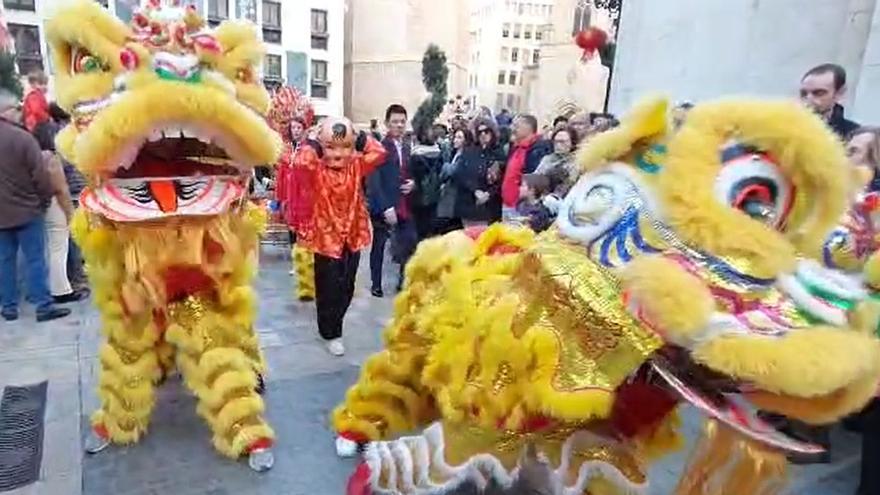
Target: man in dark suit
(387, 194)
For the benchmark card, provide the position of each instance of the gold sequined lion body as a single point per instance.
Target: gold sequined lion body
(683, 268)
(167, 125)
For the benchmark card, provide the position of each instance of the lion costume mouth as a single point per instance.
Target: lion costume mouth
(736, 402)
(175, 171)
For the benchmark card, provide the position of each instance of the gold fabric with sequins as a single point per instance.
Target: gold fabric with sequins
(579, 302)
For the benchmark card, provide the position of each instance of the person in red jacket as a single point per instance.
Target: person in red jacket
(338, 226)
(35, 109)
(290, 115)
(525, 156)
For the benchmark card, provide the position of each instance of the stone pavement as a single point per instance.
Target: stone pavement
(304, 384)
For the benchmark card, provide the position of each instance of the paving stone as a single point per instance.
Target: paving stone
(177, 453)
(304, 384)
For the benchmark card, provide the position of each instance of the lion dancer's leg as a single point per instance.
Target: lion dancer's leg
(390, 398)
(130, 369)
(385, 401)
(304, 265)
(220, 361)
(129, 362)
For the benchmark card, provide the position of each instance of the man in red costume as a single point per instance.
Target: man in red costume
(338, 225)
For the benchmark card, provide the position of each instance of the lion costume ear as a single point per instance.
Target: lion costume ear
(645, 125)
(240, 60)
(85, 41)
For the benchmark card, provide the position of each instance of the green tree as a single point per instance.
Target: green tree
(9, 77)
(434, 76)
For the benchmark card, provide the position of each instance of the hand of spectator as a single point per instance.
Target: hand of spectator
(407, 186)
(552, 203)
(390, 216)
(482, 197)
(494, 173)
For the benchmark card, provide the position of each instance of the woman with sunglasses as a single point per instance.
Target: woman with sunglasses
(478, 201)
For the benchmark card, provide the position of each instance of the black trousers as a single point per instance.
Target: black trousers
(381, 234)
(334, 289)
(869, 483)
(425, 218)
(404, 239)
(405, 242)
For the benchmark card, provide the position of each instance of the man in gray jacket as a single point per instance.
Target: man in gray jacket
(26, 190)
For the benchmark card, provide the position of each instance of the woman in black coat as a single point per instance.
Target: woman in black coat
(478, 199)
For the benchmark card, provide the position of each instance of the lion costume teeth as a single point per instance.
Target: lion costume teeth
(167, 123)
(683, 268)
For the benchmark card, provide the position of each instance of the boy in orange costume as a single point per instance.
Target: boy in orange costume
(338, 227)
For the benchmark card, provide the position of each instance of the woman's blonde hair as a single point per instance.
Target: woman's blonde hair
(874, 147)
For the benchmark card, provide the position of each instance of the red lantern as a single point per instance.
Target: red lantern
(591, 40)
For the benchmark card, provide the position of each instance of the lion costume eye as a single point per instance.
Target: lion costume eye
(83, 62)
(751, 182)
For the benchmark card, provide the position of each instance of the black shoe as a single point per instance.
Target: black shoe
(52, 314)
(10, 314)
(806, 459)
(260, 389)
(377, 292)
(77, 295)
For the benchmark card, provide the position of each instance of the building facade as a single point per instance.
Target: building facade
(506, 38)
(710, 48)
(563, 83)
(304, 39)
(385, 44)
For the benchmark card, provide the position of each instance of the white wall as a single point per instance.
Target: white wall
(701, 49)
(866, 107)
(296, 37)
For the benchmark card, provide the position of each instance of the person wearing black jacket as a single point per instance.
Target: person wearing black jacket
(822, 89)
(426, 164)
(388, 191)
(477, 177)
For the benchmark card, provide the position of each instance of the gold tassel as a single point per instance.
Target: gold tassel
(727, 463)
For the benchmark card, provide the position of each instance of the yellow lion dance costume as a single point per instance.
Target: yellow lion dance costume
(684, 267)
(167, 124)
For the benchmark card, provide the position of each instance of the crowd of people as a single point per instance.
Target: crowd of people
(506, 168)
(464, 174)
(38, 195)
(430, 181)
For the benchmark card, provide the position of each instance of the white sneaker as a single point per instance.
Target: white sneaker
(336, 348)
(345, 448)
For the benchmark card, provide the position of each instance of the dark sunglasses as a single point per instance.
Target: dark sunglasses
(484, 130)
